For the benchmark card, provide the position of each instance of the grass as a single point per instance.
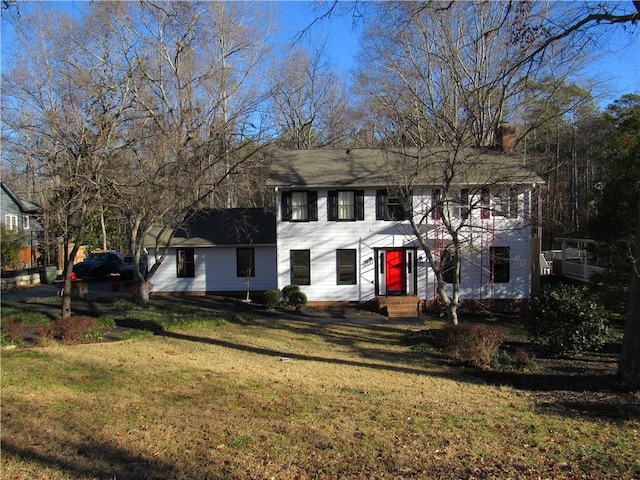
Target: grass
(249, 397)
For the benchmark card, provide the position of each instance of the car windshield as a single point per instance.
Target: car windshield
(96, 257)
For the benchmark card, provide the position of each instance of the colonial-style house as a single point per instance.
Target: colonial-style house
(22, 215)
(341, 233)
(343, 236)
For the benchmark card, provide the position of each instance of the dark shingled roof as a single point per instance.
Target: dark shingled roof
(234, 226)
(362, 167)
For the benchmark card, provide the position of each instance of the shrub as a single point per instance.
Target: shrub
(298, 299)
(71, 329)
(292, 295)
(288, 290)
(475, 343)
(567, 318)
(13, 329)
(271, 298)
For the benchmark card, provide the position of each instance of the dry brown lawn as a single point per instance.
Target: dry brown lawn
(270, 398)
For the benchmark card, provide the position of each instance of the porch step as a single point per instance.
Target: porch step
(407, 306)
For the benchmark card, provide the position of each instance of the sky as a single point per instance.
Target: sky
(618, 64)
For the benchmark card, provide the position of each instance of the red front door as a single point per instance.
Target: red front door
(395, 272)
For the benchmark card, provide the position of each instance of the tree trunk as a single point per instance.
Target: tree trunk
(630, 358)
(143, 291)
(69, 258)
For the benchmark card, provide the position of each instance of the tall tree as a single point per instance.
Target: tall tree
(442, 78)
(193, 70)
(308, 104)
(65, 112)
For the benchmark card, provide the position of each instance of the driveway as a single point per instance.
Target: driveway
(109, 288)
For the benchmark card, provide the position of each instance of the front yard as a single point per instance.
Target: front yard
(204, 393)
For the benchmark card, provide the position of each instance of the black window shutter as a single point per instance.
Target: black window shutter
(332, 206)
(359, 204)
(312, 198)
(381, 202)
(286, 206)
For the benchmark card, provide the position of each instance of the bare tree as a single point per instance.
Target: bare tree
(440, 81)
(64, 111)
(308, 103)
(193, 69)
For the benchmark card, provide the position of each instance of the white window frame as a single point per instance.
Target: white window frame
(11, 221)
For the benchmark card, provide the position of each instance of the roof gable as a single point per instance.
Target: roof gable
(23, 205)
(378, 168)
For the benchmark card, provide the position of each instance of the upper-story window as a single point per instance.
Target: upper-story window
(389, 206)
(11, 221)
(25, 222)
(456, 205)
(506, 203)
(300, 206)
(499, 202)
(345, 205)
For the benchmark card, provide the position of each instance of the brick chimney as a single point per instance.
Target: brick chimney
(506, 137)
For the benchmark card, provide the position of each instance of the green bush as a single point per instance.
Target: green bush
(475, 343)
(271, 298)
(288, 290)
(567, 318)
(297, 299)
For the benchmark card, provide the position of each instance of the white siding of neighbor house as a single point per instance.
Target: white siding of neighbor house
(324, 237)
(215, 271)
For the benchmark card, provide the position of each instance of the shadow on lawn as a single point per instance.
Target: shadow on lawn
(90, 457)
(567, 387)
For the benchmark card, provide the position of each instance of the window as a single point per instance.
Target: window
(25, 222)
(345, 205)
(11, 221)
(461, 205)
(485, 203)
(185, 263)
(389, 206)
(299, 206)
(346, 267)
(507, 203)
(300, 267)
(500, 264)
(245, 262)
(448, 265)
(436, 204)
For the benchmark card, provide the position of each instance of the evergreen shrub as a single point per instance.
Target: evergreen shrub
(567, 318)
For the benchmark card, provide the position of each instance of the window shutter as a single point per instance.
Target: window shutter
(332, 206)
(381, 201)
(359, 204)
(313, 206)
(286, 206)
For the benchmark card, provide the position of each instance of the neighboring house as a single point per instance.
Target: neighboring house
(342, 237)
(219, 251)
(579, 260)
(19, 214)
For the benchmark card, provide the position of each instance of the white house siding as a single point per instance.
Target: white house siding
(215, 271)
(323, 238)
